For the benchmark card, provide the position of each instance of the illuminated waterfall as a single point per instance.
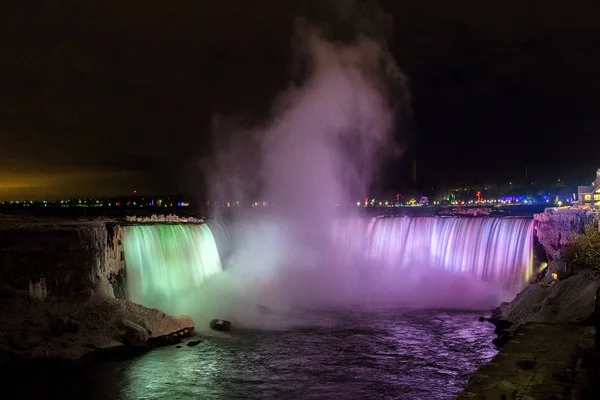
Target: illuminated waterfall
(167, 265)
(491, 249)
(165, 262)
(352, 235)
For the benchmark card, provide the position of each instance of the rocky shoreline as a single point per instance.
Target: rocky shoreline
(74, 331)
(549, 323)
(559, 293)
(62, 297)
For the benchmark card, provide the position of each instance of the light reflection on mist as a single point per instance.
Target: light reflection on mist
(322, 146)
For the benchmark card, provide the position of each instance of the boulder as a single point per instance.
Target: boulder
(570, 300)
(220, 325)
(135, 335)
(501, 340)
(166, 329)
(75, 329)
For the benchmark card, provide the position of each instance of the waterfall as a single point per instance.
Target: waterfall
(416, 261)
(166, 261)
(491, 249)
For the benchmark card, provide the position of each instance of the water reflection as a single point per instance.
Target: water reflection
(387, 354)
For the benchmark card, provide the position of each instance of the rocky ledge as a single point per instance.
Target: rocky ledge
(544, 361)
(76, 330)
(555, 229)
(570, 300)
(561, 294)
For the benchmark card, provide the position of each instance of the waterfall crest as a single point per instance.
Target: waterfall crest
(491, 249)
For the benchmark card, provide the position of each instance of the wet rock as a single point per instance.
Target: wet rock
(220, 325)
(482, 319)
(501, 340)
(168, 330)
(146, 326)
(502, 326)
(135, 335)
(193, 343)
(497, 313)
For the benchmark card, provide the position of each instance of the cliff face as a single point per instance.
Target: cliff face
(58, 283)
(59, 258)
(77, 330)
(554, 229)
(570, 298)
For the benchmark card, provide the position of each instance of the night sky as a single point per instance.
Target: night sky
(104, 97)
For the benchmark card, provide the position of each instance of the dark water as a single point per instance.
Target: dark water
(385, 354)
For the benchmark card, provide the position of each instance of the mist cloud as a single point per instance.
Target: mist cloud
(326, 135)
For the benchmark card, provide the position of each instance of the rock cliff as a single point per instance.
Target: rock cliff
(62, 293)
(554, 229)
(564, 295)
(555, 301)
(75, 329)
(58, 257)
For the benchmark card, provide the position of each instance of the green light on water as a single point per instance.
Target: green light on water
(165, 262)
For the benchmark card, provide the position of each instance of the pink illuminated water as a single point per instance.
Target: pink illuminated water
(490, 249)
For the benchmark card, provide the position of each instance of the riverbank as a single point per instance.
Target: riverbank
(75, 330)
(542, 361)
(62, 294)
(546, 332)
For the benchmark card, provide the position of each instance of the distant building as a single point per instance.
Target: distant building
(589, 196)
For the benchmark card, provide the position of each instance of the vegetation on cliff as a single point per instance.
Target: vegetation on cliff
(583, 251)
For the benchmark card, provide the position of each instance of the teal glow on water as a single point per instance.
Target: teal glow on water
(164, 261)
(383, 354)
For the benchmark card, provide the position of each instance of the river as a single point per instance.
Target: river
(336, 354)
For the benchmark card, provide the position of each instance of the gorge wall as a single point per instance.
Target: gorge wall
(62, 294)
(555, 229)
(59, 257)
(564, 295)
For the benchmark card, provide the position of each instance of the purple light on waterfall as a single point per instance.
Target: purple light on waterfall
(491, 249)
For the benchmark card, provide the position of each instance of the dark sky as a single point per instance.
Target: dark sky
(103, 97)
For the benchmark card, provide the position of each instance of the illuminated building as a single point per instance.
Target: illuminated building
(589, 196)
